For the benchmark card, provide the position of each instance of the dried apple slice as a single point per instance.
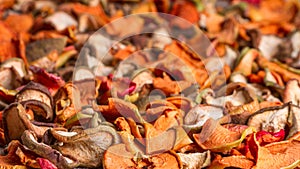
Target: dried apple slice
(217, 138)
(7, 96)
(245, 65)
(165, 161)
(292, 92)
(85, 146)
(270, 119)
(117, 156)
(37, 98)
(9, 78)
(231, 161)
(16, 121)
(182, 103)
(18, 64)
(117, 107)
(45, 151)
(158, 141)
(12, 160)
(284, 154)
(294, 120)
(65, 101)
(195, 160)
(199, 114)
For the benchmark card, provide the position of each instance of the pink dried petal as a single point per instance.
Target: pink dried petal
(46, 164)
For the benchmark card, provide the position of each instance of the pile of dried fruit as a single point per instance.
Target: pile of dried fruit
(218, 87)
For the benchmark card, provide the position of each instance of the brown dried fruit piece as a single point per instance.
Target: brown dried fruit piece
(84, 146)
(37, 98)
(66, 100)
(12, 160)
(16, 121)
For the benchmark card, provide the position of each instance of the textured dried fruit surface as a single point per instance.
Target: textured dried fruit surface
(149, 84)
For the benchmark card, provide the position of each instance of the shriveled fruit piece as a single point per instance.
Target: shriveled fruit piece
(84, 146)
(11, 160)
(284, 154)
(231, 161)
(270, 119)
(65, 101)
(195, 160)
(16, 121)
(37, 98)
(45, 151)
(117, 156)
(217, 138)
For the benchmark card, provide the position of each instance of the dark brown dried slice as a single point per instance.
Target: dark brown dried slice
(16, 121)
(37, 98)
(27, 157)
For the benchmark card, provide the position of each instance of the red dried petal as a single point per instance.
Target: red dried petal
(51, 81)
(46, 164)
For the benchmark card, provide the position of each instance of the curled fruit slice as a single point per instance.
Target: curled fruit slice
(65, 100)
(217, 138)
(37, 98)
(16, 121)
(195, 160)
(270, 119)
(84, 146)
(284, 154)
